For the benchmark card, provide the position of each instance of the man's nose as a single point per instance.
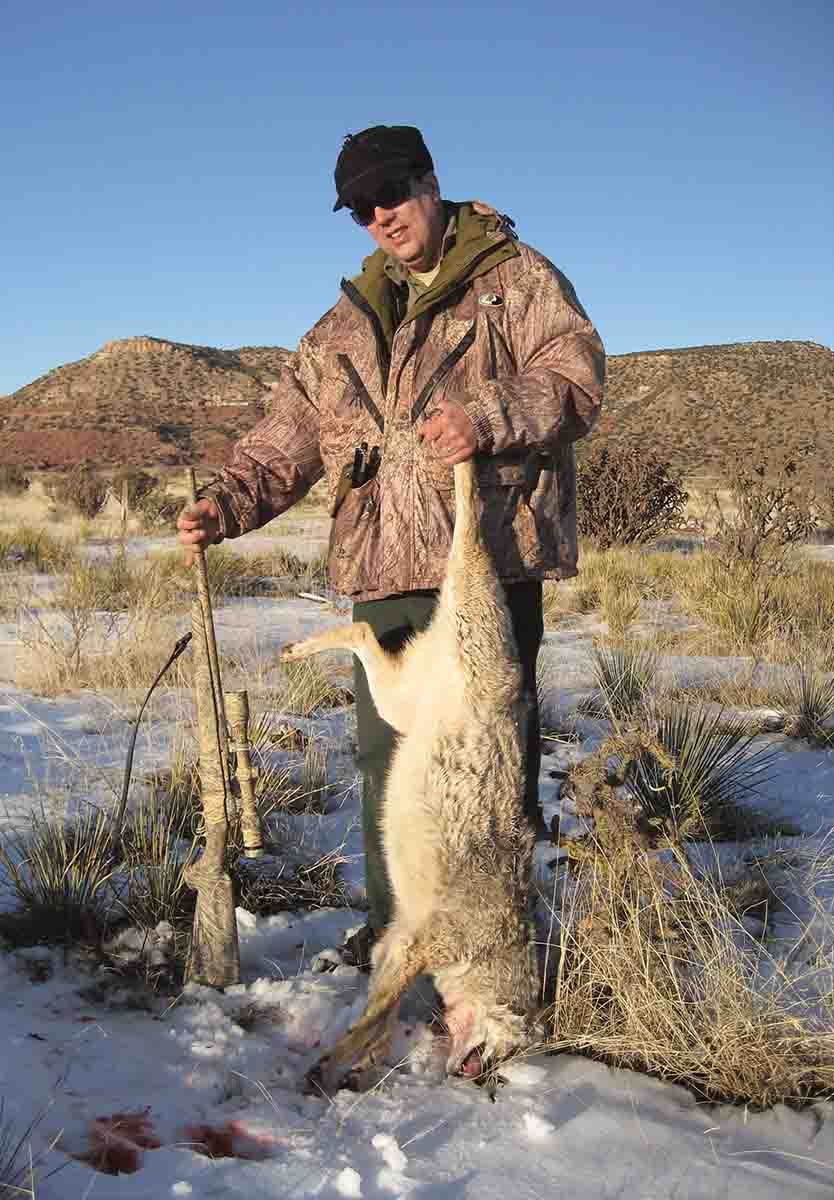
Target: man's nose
(383, 216)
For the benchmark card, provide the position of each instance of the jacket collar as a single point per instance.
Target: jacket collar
(480, 243)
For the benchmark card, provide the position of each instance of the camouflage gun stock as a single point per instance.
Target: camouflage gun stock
(214, 956)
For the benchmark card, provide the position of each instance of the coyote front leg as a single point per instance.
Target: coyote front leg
(381, 667)
(398, 960)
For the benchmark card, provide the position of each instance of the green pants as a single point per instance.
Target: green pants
(394, 620)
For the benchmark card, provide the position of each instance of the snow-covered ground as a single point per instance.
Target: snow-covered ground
(227, 1070)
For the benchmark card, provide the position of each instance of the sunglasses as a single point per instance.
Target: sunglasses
(388, 195)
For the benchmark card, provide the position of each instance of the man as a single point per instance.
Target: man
(454, 340)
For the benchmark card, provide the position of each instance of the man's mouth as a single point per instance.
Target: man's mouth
(398, 235)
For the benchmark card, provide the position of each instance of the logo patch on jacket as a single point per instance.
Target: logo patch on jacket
(490, 299)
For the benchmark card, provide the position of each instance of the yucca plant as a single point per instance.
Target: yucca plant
(809, 703)
(276, 788)
(625, 676)
(60, 874)
(717, 770)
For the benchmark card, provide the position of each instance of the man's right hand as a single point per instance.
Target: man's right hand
(198, 525)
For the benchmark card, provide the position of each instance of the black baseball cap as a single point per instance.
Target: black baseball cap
(369, 158)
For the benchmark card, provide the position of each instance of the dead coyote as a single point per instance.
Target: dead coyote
(458, 846)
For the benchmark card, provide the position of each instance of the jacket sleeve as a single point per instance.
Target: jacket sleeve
(276, 463)
(555, 394)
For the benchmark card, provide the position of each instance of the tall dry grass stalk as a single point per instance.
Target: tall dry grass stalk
(657, 972)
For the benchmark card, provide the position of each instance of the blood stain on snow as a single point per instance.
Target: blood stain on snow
(116, 1143)
(230, 1140)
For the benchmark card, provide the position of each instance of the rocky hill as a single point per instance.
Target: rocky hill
(151, 402)
(701, 405)
(144, 401)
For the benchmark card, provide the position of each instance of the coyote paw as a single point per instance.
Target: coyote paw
(326, 1078)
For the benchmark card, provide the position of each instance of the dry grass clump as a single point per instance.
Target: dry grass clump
(310, 689)
(267, 887)
(658, 973)
(235, 575)
(20, 1164)
(34, 547)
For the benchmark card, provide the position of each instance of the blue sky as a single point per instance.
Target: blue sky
(167, 167)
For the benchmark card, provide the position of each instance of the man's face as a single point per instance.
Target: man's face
(413, 230)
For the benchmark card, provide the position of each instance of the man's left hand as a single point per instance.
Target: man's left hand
(450, 433)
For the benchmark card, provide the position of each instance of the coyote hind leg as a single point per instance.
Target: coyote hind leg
(381, 667)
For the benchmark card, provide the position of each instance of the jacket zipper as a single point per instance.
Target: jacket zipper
(383, 355)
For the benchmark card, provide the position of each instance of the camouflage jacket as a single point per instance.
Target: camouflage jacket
(501, 331)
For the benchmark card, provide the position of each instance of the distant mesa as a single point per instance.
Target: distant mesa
(153, 402)
(143, 400)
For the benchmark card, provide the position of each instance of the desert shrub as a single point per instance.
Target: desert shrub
(13, 480)
(81, 489)
(626, 496)
(772, 513)
(825, 508)
(139, 484)
(158, 507)
(109, 627)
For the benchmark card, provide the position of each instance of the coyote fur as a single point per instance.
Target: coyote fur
(458, 846)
